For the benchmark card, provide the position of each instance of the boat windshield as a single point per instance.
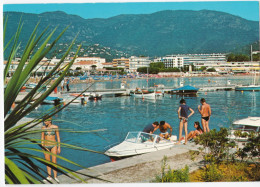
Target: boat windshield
(246, 128)
(142, 137)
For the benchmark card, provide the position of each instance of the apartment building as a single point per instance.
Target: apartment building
(137, 62)
(236, 67)
(121, 63)
(189, 59)
(171, 61)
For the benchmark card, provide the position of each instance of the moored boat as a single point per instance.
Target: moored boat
(248, 88)
(252, 87)
(185, 90)
(137, 143)
(244, 126)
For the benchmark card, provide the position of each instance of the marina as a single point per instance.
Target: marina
(116, 116)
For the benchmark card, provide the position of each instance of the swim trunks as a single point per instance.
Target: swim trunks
(205, 118)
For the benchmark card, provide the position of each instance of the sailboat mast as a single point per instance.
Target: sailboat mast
(147, 78)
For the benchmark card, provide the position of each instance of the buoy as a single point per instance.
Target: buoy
(206, 93)
(242, 91)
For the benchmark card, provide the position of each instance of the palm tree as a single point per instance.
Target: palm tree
(20, 167)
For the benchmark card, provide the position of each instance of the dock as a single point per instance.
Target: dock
(126, 91)
(141, 168)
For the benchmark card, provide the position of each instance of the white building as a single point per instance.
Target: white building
(85, 65)
(137, 62)
(171, 61)
(236, 67)
(99, 61)
(43, 68)
(189, 59)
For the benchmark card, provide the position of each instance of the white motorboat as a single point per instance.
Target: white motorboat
(246, 125)
(143, 95)
(137, 143)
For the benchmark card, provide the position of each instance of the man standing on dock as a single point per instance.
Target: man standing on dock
(205, 112)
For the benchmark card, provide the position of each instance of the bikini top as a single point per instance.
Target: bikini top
(52, 132)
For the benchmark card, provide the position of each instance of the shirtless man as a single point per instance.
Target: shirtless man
(205, 112)
(164, 128)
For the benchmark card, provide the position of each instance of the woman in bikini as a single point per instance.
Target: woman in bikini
(49, 134)
(195, 133)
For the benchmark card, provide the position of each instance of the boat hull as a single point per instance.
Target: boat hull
(137, 143)
(248, 88)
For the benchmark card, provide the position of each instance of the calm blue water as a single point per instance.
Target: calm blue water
(119, 115)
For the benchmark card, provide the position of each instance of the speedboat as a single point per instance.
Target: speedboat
(244, 127)
(137, 143)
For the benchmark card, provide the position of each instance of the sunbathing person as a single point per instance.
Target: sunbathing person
(195, 133)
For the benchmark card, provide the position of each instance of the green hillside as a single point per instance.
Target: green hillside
(157, 34)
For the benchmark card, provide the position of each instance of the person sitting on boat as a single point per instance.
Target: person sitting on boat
(164, 130)
(195, 133)
(151, 128)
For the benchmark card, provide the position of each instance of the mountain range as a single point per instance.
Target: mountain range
(157, 34)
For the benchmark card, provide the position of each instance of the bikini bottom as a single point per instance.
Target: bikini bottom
(49, 147)
(205, 118)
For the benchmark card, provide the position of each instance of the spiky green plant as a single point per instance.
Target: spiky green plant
(20, 167)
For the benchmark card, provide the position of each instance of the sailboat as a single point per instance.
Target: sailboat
(252, 87)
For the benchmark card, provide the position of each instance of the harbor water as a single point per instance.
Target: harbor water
(114, 117)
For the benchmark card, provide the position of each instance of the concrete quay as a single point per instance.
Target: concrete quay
(139, 169)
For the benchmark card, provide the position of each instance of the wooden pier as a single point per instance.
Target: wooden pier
(126, 92)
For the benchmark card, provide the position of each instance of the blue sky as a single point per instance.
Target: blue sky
(245, 9)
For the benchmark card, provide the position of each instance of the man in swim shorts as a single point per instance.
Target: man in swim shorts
(205, 111)
(164, 129)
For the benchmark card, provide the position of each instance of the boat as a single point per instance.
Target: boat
(87, 96)
(137, 143)
(247, 88)
(246, 125)
(252, 87)
(30, 85)
(185, 90)
(52, 100)
(143, 94)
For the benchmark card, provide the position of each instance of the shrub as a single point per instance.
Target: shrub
(181, 175)
(211, 174)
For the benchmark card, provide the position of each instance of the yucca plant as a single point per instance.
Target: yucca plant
(20, 167)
